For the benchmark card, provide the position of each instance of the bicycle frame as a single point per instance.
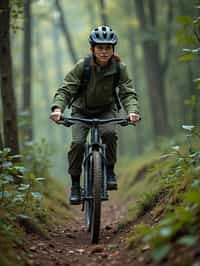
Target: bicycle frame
(95, 177)
(94, 145)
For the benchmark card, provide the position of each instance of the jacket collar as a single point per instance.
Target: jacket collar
(108, 70)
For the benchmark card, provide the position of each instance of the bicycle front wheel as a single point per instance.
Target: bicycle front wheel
(96, 202)
(88, 202)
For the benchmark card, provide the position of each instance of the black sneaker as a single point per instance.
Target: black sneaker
(111, 182)
(75, 196)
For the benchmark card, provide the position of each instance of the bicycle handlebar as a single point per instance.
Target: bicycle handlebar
(69, 121)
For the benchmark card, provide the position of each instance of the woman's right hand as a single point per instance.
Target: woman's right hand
(56, 114)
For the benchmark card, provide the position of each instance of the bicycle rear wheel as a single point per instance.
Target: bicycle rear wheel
(96, 201)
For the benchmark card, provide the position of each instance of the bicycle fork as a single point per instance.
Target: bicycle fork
(87, 183)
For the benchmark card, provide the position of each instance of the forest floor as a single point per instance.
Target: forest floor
(70, 244)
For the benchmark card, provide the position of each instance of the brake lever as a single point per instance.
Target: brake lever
(127, 122)
(64, 121)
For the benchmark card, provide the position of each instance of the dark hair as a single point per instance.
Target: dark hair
(116, 58)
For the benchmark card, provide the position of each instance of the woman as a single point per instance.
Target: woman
(97, 100)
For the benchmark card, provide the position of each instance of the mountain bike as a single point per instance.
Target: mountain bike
(94, 189)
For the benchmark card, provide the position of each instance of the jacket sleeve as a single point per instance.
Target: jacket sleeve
(127, 92)
(69, 87)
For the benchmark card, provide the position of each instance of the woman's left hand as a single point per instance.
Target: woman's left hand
(134, 117)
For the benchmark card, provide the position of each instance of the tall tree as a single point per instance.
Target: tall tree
(43, 73)
(134, 70)
(104, 17)
(7, 90)
(66, 32)
(57, 52)
(91, 12)
(27, 109)
(1, 140)
(155, 67)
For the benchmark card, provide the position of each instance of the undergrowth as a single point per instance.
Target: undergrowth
(30, 201)
(180, 175)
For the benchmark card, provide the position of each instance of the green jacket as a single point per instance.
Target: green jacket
(98, 95)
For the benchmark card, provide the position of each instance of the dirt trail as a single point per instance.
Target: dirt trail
(70, 245)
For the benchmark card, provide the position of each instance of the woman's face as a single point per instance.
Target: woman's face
(103, 53)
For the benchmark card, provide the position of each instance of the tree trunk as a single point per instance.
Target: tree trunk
(7, 90)
(27, 106)
(153, 70)
(134, 70)
(1, 140)
(57, 53)
(92, 17)
(43, 74)
(104, 18)
(66, 32)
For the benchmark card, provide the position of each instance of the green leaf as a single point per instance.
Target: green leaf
(24, 187)
(176, 148)
(197, 50)
(5, 152)
(160, 252)
(188, 240)
(16, 156)
(7, 165)
(18, 197)
(167, 221)
(186, 57)
(196, 182)
(184, 19)
(197, 169)
(3, 182)
(40, 178)
(196, 80)
(187, 127)
(24, 217)
(166, 231)
(192, 197)
(9, 178)
(36, 195)
(21, 169)
(5, 194)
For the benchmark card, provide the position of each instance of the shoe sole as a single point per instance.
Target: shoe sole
(74, 202)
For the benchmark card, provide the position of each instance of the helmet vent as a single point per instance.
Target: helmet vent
(103, 34)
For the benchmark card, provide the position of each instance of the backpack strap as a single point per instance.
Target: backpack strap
(116, 78)
(84, 79)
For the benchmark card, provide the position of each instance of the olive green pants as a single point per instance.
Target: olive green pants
(79, 135)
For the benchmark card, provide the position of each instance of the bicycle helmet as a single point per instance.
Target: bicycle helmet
(103, 35)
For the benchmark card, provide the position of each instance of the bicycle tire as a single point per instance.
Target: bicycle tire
(96, 201)
(88, 203)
